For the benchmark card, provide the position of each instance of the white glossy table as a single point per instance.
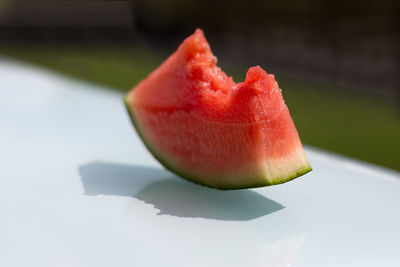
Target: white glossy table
(78, 188)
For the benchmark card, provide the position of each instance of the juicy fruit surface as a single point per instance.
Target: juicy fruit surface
(202, 125)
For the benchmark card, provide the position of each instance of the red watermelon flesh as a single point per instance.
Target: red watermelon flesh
(206, 128)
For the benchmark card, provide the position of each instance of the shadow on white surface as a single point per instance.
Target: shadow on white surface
(106, 178)
(172, 195)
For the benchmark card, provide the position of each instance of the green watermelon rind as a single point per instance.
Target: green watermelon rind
(193, 178)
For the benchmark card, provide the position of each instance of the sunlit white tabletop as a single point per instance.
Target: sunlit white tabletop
(78, 188)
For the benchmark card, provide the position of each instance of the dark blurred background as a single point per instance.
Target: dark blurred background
(337, 62)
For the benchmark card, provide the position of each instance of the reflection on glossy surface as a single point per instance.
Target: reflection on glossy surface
(282, 252)
(173, 196)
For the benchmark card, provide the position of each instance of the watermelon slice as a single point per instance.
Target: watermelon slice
(206, 128)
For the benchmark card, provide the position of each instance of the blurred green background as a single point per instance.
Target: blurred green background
(336, 62)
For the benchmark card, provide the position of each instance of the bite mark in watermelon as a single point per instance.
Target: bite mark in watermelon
(207, 129)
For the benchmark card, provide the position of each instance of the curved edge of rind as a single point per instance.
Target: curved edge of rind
(196, 180)
(157, 156)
